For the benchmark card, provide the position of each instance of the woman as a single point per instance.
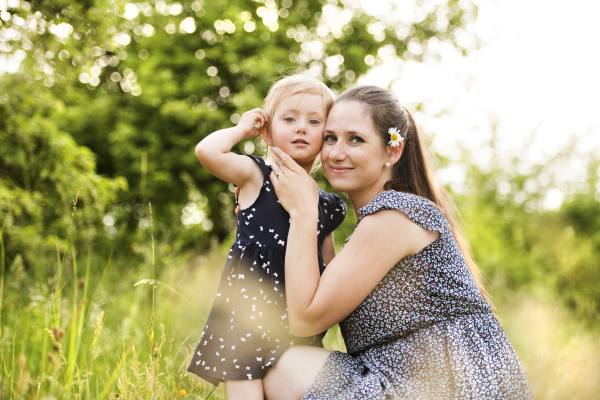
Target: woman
(405, 290)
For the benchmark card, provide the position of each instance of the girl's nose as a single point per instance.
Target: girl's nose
(301, 126)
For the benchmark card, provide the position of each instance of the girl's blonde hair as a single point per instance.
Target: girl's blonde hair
(290, 86)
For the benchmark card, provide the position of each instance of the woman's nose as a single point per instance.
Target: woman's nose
(338, 152)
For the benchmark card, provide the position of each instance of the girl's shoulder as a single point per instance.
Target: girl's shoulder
(334, 209)
(264, 167)
(332, 198)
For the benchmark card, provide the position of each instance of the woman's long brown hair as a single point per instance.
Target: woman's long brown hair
(413, 172)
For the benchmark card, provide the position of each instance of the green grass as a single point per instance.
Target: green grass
(97, 327)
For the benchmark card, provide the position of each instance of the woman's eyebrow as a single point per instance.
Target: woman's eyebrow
(346, 132)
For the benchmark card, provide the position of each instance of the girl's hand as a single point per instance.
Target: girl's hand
(296, 190)
(250, 120)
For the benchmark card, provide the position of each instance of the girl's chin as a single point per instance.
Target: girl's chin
(302, 161)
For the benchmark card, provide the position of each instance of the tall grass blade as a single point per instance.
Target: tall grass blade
(113, 377)
(56, 295)
(72, 357)
(12, 368)
(61, 262)
(155, 366)
(155, 283)
(2, 263)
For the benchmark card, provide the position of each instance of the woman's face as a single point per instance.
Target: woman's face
(353, 154)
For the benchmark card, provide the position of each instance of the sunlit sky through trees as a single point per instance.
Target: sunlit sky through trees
(534, 78)
(536, 73)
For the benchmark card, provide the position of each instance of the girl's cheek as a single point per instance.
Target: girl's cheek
(325, 149)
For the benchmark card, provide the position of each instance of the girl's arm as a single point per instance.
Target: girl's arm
(214, 151)
(316, 303)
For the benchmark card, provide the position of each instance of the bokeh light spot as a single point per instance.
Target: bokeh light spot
(212, 71)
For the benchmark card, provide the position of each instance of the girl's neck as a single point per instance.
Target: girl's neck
(307, 166)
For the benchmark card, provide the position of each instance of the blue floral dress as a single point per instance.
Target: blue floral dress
(425, 331)
(247, 329)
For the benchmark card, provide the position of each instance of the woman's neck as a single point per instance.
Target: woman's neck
(364, 197)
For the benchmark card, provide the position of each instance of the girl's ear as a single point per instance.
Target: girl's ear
(394, 153)
(266, 135)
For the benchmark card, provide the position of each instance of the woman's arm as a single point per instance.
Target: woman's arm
(328, 249)
(214, 151)
(316, 303)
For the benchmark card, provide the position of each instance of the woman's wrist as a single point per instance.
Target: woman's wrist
(304, 216)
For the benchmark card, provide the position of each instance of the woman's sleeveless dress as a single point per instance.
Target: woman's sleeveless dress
(425, 331)
(247, 329)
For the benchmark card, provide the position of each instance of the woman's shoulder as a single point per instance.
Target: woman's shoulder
(391, 199)
(420, 210)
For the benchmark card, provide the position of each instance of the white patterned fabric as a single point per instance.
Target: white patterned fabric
(247, 329)
(425, 331)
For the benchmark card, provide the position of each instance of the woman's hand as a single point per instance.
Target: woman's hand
(296, 190)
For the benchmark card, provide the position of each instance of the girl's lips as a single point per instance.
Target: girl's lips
(300, 144)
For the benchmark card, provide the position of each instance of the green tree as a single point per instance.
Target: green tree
(140, 84)
(41, 170)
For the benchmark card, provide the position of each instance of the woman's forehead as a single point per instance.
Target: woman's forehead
(349, 116)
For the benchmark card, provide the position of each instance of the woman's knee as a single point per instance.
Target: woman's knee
(294, 372)
(279, 381)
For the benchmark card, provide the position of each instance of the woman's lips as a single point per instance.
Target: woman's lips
(340, 170)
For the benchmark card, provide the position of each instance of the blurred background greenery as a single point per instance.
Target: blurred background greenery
(104, 101)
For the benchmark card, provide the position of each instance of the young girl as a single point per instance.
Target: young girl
(247, 329)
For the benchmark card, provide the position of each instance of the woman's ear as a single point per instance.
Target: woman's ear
(394, 153)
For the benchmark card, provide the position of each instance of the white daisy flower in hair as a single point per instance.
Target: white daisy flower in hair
(395, 136)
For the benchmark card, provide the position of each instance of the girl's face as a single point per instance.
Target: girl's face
(353, 155)
(297, 127)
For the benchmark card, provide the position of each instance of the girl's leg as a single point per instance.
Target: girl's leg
(246, 389)
(294, 372)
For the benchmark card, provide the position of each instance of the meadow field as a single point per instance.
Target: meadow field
(94, 327)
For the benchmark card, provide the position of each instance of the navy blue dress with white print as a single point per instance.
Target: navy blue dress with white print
(247, 329)
(425, 331)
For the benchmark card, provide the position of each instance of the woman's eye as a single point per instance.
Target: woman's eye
(356, 139)
(329, 138)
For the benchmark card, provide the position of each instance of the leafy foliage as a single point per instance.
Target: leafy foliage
(521, 242)
(141, 84)
(41, 169)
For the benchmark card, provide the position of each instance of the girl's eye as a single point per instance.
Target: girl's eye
(288, 119)
(329, 139)
(314, 122)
